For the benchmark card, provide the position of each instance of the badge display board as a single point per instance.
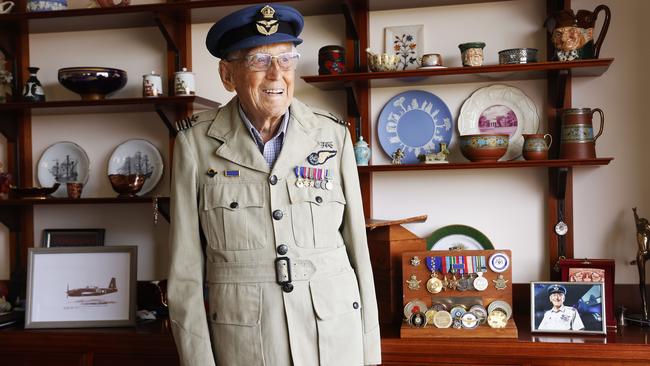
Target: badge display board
(466, 261)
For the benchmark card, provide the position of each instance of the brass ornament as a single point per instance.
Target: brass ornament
(268, 25)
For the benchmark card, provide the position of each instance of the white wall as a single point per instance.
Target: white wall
(508, 205)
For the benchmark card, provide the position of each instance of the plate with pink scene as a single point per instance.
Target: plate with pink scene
(499, 109)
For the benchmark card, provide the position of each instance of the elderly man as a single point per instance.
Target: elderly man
(272, 185)
(560, 317)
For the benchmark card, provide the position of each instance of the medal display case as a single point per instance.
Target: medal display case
(457, 294)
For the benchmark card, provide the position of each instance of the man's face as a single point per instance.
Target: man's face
(262, 94)
(568, 38)
(557, 299)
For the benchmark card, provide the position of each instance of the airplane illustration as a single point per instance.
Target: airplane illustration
(92, 290)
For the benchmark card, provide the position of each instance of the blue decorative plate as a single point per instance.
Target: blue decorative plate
(416, 121)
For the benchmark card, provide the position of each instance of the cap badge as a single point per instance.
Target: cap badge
(267, 23)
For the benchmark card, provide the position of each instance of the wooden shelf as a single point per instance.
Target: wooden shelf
(559, 163)
(203, 11)
(109, 105)
(457, 75)
(69, 201)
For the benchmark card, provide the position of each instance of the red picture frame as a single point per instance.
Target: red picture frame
(593, 270)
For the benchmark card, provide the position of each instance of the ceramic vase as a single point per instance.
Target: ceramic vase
(362, 152)
(33, 91)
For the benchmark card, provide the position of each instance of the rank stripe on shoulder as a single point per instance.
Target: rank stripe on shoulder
(185, 123)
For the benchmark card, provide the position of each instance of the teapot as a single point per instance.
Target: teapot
(573, 34)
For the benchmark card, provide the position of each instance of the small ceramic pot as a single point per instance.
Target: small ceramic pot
(431, 60)
(517, 56)
(484, 147)
(151, 85)
(184, 83)
(5, 185)
(74, 189)
(331, 60)
(362, 152)
(536, 146)
(472, 53)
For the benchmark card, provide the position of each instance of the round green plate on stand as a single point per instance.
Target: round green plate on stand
(458, 237)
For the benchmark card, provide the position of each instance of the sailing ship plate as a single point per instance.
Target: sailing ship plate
(138, 156)
(63, 162)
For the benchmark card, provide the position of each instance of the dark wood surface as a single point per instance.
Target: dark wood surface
(486, 165)
(455, 75)
(72, 201)
(118, 105)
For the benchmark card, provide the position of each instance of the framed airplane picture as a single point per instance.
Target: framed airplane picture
(73, 287)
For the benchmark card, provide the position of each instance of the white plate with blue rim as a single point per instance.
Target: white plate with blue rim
(138, 156)
(63, 162)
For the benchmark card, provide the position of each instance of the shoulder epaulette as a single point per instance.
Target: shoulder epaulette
(332, 117)
(191, 121)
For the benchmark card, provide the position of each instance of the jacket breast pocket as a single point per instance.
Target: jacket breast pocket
(235, 317)
(316, 216)
(233, 216)
(337, 305)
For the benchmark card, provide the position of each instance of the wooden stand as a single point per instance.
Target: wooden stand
(452, 297)
(387, 240)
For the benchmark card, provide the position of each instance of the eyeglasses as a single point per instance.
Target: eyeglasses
(262, 61)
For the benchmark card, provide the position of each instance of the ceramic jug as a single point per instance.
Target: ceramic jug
(6, 6)
(573, 34)
(577, 140)
(536, 146)
(362, 152)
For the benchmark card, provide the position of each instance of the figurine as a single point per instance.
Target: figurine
(642, 255)
(398, 155)
(6, 80)
(5, 306)
(435, 158)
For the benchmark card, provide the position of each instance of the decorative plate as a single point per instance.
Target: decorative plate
(415, 121)
(63, 162)
(458, 236)
(499, 109)
(138, 156)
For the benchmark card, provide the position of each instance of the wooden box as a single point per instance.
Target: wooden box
(387, 240)
(451, 297)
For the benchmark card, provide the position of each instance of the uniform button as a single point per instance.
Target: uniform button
(234, 205)
(287, 287)
(319, 199)
(355, 305)
(282, 249)
(273, 179)
(277, 214)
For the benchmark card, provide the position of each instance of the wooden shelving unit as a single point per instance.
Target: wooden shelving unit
(70, 201)
(560, 163)
(458, 75)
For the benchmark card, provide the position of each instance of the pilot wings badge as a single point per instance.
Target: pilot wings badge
(320, 157)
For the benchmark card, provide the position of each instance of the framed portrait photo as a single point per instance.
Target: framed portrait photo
(593, 270)
(567, 307)
(78, 287)
(72, 237)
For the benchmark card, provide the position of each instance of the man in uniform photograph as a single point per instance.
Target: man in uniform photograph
(270, 186)
(560, 316)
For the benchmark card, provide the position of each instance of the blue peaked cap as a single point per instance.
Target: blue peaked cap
(254, 26)
(555, 289)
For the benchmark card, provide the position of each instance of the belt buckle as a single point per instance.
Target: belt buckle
(283, 270)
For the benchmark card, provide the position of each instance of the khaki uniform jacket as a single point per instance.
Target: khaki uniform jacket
(330, 317)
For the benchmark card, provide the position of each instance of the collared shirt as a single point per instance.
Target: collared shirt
(272, 148)
(564, 318)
